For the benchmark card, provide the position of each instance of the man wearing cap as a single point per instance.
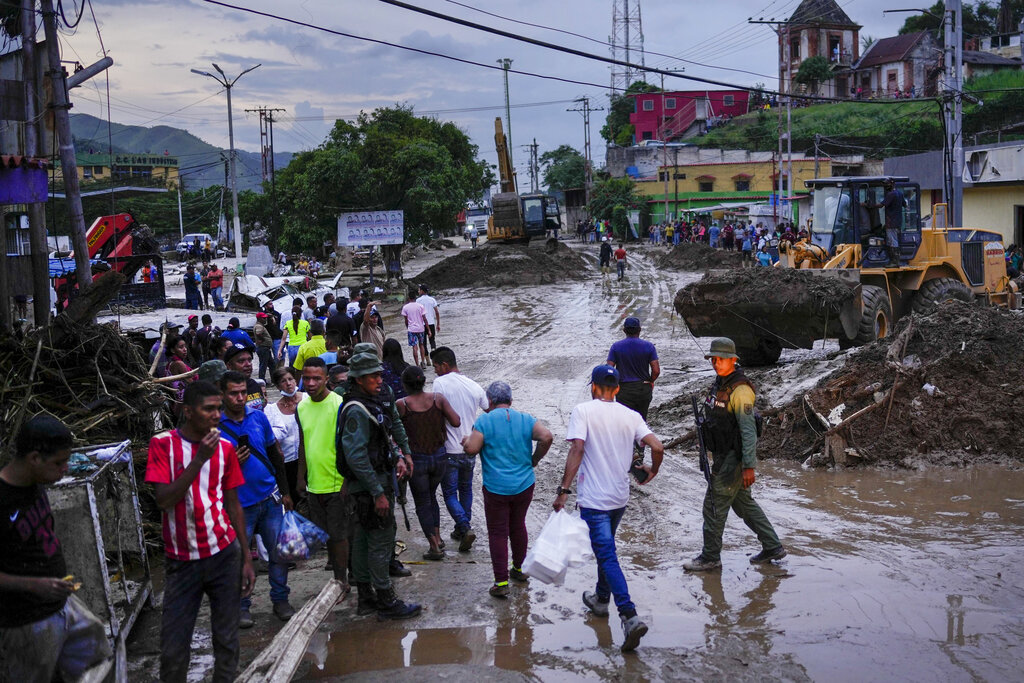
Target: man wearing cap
(314, 347)
(636, 360)
(236, 334)
(365, 443)
(730, 434)
(601, 435)
(433, 313)
(264, 345)
(238, 357)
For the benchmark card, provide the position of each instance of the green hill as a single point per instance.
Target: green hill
(200, 163)
(879, 130)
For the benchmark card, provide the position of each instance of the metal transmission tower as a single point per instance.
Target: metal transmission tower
(585, 108)
(627, 41)
(266, 139)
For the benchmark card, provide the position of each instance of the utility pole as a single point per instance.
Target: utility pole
(663, 136)
(266, 139)
(69, 167)
(583, 106)
(534, 167)
(781, 29)
(817, 145)
(228, 84)
(954, 34)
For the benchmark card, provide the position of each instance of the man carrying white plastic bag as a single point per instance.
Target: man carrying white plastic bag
(563, 542)
(601, 435)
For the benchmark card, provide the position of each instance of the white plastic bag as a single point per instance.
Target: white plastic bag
(563, 542)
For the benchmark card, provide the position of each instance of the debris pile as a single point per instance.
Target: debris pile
(503, 265)
(93, 379)
(944, 389)
(699, 256)
(441, 244)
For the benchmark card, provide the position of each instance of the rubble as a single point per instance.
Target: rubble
(943, 389)
(503, 265)
(698, 256)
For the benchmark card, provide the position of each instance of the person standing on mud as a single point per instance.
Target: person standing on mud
(620, 261)
(602, 433)
(730, 434)
(636, 360)
(606, 258)
(467, 397)
(504, 439)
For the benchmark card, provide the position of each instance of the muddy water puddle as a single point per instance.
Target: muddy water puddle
(892, 574)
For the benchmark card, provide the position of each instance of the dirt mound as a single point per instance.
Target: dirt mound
(958, 395)
(441, 245)
(503, 265)
(699, 256)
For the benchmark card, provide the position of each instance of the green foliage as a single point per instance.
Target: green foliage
(813, 71)
(620, 224)
(758, 97)
(608, 193)
(617, 128)
(564, 168)
(979, 19)
(388, 159)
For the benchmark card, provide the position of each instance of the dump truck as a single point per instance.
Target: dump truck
(516, 218)
(845, 281)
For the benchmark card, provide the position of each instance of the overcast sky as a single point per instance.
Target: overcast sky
(317, 77)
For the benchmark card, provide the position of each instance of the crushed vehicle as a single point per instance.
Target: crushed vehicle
(251, 292)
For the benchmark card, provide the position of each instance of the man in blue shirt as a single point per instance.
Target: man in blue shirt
(236, 334)
(636, 360)
(266, 486)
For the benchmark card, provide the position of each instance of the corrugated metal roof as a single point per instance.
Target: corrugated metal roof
(988, 58)
(888, 50)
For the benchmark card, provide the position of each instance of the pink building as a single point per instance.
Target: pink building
(682, 114)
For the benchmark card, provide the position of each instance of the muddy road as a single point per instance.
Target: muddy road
(891, 574)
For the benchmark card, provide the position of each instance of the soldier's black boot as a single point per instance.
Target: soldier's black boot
(390, 607)
(368, 603)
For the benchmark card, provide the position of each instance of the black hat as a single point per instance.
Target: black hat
(236, 349)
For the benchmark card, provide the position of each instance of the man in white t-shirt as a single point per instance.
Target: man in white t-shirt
(429, 304)
(467, 398)
(416, 327)
(601, 435)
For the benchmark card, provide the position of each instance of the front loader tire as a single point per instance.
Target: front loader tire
(876, 315)
(766, 352)
(935, 292)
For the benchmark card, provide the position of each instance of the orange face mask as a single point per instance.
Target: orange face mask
(723, 366)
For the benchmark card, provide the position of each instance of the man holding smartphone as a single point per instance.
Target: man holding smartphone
(265, 494)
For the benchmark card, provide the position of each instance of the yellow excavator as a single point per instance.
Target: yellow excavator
(848, 243)
(516, 218)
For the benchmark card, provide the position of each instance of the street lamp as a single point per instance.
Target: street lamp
(228, 83)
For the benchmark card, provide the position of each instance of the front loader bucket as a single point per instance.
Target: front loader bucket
(767, 309)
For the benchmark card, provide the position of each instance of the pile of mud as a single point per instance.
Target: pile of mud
(505, 265)
(958, 397)
(764, 284)
(441, 245)
(699, 256)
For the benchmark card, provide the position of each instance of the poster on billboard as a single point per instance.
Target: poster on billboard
(371, 228)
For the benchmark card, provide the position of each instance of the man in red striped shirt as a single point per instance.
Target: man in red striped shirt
(196, 476)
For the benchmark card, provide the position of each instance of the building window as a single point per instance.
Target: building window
(647, 135)
(648, 105)
(670, 103)
(17, 234)
(97, 170)
(706, 186)
(729, 100)
(743, 186)
(87, 171)
(794, 49)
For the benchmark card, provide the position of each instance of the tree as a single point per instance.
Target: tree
(866, 42)
(388, 159)
(758, 97)
(979, 19)
(611, 192)
(813, 71)
(617, 129)
(564, 168)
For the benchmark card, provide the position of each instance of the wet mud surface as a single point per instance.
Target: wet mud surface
(698, 257)
(891, 574)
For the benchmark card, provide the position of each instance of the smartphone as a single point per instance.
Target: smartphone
(243, 441)
(638, 471)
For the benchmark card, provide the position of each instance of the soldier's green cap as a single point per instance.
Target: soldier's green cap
(363, 364)
(722, 347)
(364, 347)
(212, 370)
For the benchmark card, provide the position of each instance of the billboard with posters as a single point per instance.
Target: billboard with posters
(371, 228)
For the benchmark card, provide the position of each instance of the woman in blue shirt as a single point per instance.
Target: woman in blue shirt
(504, 439)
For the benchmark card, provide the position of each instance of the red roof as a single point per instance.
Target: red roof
(889, 50)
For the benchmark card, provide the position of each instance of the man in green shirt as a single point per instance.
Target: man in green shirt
(318, 470)
(365, 443)
(314, 347)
